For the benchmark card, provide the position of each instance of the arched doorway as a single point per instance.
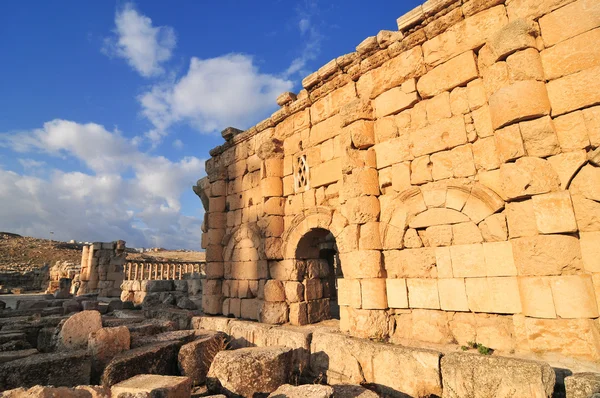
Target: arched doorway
(318, 252)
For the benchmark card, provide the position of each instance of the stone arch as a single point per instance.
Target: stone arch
(313, 218)
(456, 201)
(239, 234)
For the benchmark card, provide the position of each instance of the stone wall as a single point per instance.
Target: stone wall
(453, 162)
(102, 268)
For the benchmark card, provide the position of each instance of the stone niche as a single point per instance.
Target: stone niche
(441, 183)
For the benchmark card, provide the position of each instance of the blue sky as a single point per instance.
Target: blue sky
(108, 109)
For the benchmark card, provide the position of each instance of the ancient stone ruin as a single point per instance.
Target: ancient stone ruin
(438, 184)
(437, 191)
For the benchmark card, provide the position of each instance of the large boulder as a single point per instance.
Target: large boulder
(582, 385)
(159, 358)
(304, 391)
(104, 344)
(195, 358)
(478, 376)
(75, 331)
(150, 386)
(60, 369)
(249, 371)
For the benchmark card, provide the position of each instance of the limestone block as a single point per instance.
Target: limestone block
(571, 56)
(420, 170)
(592, 122)
(361, 210)
(469, 34)
(547, 255)
(467, 373)
(459, 101)
(294, 291)
(485, 154)
(385, 129)
(212, 304)
(361, 264)
(539, 137)
(410, 18)
(521, 219)
(324, 130)
(105, 343)
(439, 235)
(466, 233)
(587, 213)
(456, 72)
(391, 73)
(150, 385)
(349, 293)
(374, 294)
(532, 10)
(536, 297)
(582, 385)
(274, 313)
(401, 176)
(298, 314)
(482, 119)
(75, 332)
(574, 296)
(362, 181)
(326, 173)
(423, 293)
(525, 65)
(362, 133)
(556, 28)
(586, 183)
(554, 213)
(331, 103)
(572, 132)
(397, 296)
(572, 337)
(528, 176)
(313, 289)
(458, 162)
(494, 229)
(495, 295)
(517, 35)
(437, 216)
(575, 91)
(499, 259)
(271, 186)
(468, 261)
(369, 238)
(250, 309)
(318, 310)
(274, 291)
(438, 107)
(393, 101)
(476, 94)
(519, 101)
(359, 109)
(453, 296)
(392, 151)
(443, 262)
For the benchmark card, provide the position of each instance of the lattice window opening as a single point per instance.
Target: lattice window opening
(301, 174)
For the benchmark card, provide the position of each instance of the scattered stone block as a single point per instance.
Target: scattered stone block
(150, 385)
(75, 331)
(104, 344)
(249, 371)
(554, 213)
(582, 385)
(303, 391)
(478, 375)
(67, 369)
(194, 358)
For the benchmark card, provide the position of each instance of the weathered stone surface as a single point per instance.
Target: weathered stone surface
(566, 165)
(574, 296)
(478, 375)
(575, 91)
(349, 390)
(585, 183)
(274, 313)
(517, 35)
(572, 132)
(349, 360)
(157, 286)
(536, 297)
(307, 390)
(556, 28)
(582, 385)
(194, 359)
(105, 343)
(393, 101)
(182, 336)
(554, 213)
(571, 56)
(57, 369)
(75, 331)
(63, 392)
(539, 137)
(456, 72)
(528, 176)
(547, 255)
(469, 34)
(249, 371)
(159, 358)
(519, 101)
(148, 386)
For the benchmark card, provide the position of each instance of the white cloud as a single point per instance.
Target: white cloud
(313, 38)
(130, 195)
(31, 164)
(178, 144)
(215, 93)
(144, 46)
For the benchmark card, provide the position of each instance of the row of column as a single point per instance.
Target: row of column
(159, 271)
